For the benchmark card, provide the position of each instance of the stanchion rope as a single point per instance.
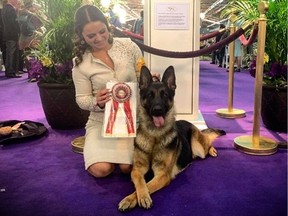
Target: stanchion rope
(189, 54)
(211, 35)
(140, 37)
(129, 33)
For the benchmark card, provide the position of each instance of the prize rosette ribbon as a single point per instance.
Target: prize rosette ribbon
(121, 95)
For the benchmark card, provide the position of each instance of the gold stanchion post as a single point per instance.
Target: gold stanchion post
(255, 144)
(231, 112)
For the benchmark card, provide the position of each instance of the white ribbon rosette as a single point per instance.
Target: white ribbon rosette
(120, 111)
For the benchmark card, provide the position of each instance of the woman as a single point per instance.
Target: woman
(100, 59)
(238, 54)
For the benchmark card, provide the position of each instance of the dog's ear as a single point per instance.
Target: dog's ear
(169, 78)
(145, 77)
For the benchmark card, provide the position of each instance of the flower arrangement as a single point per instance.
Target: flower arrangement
(42, 68)
(275, 73)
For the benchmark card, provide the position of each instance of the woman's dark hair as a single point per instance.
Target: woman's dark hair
(84, 15)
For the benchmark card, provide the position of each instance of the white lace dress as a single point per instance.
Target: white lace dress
(90, 76)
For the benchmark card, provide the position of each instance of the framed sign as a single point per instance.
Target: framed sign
(172, 16)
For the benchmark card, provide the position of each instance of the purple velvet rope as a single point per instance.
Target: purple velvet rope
(191, 54)
(210, 35)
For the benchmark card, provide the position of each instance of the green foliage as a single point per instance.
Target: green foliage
(276, 36)
(60, 28)
(247, 12)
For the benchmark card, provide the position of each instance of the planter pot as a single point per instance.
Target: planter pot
(60, 107)
(274, 108)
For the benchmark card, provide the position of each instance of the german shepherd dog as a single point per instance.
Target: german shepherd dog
(162, 144)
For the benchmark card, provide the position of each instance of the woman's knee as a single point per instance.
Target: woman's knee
(125, 168)
(101, 169)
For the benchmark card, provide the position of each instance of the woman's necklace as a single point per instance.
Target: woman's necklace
(104, 57)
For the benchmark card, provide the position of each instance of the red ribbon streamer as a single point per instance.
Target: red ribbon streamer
(112, 117)
(129, 117)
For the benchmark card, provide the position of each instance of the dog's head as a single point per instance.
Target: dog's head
(157, 98)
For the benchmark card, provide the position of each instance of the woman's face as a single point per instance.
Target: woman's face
(96, 35)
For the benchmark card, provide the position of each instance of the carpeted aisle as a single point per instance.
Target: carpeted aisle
(44, 177)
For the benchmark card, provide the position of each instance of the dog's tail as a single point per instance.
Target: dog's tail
(202, 144)
(213, 133)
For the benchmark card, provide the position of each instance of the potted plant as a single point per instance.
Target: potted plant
(51, 64)
(274, 94)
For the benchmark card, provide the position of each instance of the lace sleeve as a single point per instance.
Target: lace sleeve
(88, 103)
(138, 58)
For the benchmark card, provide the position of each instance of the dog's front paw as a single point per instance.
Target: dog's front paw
(145, 201)
(128, 202)
(213, 152)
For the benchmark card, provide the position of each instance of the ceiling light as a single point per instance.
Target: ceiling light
(105, 3)
(202, 15)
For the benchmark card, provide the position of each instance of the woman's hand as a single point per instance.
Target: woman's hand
(156, 77)
(102, 97)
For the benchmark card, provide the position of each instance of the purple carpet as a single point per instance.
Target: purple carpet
(44, 177)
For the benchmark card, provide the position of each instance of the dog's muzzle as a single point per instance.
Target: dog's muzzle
(157, 114)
